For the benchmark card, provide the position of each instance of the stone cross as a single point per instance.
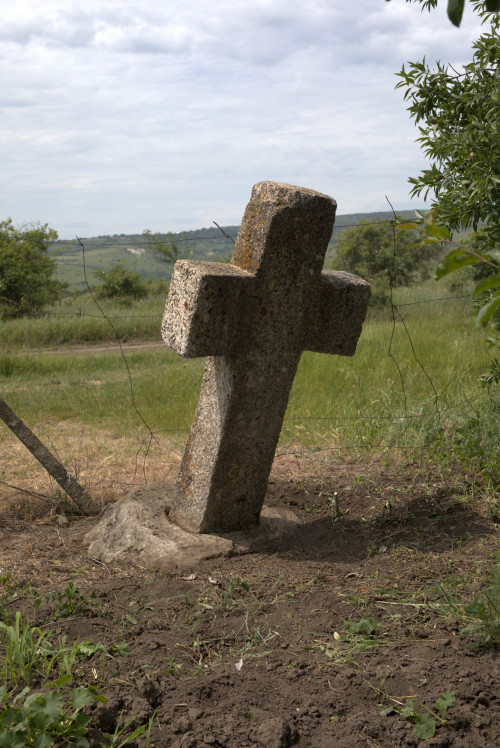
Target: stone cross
(253, 318)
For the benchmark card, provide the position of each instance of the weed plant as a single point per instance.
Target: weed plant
(475, 441)
(424, 718)
(52, 715)
(481, 616)
(72, 602)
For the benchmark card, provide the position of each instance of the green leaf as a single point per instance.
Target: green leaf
(79, 723)
(43, 741)
(10, 717)
(39, 722)
(82, 743)
(408, 225)
(365, 626)
(10, 739)
(445, 701)
(408, 711)
(96, 695)
(81, 697)
(492, 6)
(458, 258)
(425, 726)
(438, 232)
(388, 711)
(486, 312)
(491, 281)
(59, 683)
(53, 704)
(122, 649)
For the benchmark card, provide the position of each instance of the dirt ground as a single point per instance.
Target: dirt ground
(304, 644)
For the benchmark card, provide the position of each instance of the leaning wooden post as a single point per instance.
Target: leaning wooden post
(47, 459)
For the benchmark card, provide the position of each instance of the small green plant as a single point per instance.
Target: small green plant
(481, 616)
(229, 590)
(365, 627)
(120, 738)
(7, 595)
(424, 718)
(135, 608)
(253, 638)
(46, 719)
(72, 602)
(30, 655)
(244, 711)
(361, 635)
(485, 608)
(172, 668)
(334, 505)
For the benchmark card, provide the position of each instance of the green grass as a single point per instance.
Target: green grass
(35, 707)
(78, 320)
(361, 400)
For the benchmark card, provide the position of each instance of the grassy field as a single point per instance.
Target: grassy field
(434, 363)
(79, 320)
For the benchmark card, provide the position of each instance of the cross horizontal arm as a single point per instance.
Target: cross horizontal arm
(204, 308)
(336, 314)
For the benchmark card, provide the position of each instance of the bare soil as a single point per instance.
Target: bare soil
(255, 651)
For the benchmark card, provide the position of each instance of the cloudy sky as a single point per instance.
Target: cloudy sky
(116, 116)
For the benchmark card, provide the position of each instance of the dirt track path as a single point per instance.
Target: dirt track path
(90, 348)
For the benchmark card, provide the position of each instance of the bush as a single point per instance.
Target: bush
(373, 251)
(26, 269)
(122, 283)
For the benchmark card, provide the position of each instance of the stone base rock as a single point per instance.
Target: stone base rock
(136, 529)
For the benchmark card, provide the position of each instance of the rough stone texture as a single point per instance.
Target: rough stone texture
(253, 318)
(136, 529)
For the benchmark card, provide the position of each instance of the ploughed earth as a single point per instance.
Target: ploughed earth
(345, 635)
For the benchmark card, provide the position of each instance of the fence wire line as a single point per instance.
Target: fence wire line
(178, 238)
(378, 307)
(132, 394)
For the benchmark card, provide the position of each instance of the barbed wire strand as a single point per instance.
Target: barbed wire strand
(132, 393)
(184, 238)
(228, 236)
(381, 307)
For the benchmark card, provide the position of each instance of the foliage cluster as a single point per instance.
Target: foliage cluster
(36, 708)
(26, 269)
(458, 117)
(380, 255)
(481, 616)
(456, 7)
(422, 716)
(120, 282)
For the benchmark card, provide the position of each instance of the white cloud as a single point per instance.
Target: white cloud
(120, 115)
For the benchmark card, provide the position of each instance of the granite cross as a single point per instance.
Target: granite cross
(253, 318)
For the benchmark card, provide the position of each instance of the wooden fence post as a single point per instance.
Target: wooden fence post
(47, 459)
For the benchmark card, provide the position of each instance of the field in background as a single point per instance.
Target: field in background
(209, 243)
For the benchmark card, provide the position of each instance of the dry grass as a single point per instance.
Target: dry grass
(108, 466)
